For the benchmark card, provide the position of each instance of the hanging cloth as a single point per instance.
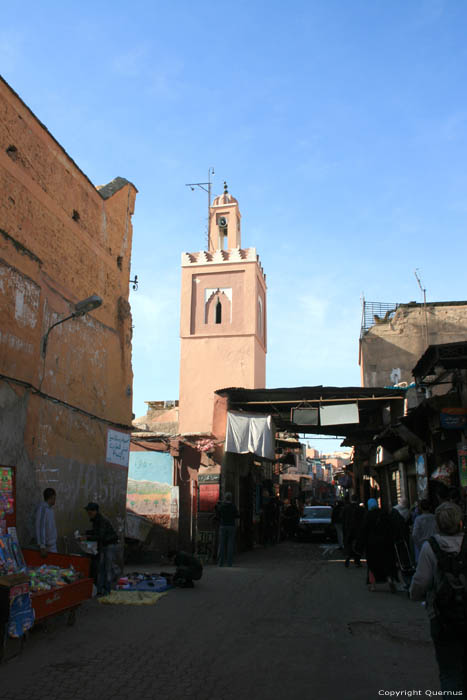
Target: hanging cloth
(250, 432)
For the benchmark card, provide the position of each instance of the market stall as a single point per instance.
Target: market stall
(32, 586)
(58, 583)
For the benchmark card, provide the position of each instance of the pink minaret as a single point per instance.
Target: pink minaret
(223, 318)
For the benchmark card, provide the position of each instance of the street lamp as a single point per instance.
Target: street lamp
(81, 308)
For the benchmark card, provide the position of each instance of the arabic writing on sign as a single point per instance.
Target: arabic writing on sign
(118, 447)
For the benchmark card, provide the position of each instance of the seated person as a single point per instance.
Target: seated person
(189, 568)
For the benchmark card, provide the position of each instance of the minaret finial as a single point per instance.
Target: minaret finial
(226, 189)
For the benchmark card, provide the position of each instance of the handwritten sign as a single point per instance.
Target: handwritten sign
(118, 447)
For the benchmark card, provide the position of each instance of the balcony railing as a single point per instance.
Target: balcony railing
(374, 312)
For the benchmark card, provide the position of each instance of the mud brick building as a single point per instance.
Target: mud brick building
(65, 414)
(394, 336)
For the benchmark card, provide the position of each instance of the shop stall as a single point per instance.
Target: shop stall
(34, 587)
(59, 583)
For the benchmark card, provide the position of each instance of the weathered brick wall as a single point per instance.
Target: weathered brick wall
(395, 346)
(61, 240)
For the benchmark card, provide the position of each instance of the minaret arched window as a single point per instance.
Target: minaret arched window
(218, 311)
(223, 238)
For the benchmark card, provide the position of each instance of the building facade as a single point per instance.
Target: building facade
(394, 336)
(65, 409)
(223, 326)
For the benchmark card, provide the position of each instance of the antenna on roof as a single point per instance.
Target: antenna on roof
(206, 186)
(423, 290)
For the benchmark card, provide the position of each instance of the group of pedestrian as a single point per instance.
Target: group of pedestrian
(439, 544)
(385, 538)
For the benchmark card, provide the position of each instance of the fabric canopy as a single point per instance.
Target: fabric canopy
(249, 432)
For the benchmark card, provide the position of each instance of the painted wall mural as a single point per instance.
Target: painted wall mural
(150, 483)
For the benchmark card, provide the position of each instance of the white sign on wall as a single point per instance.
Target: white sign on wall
(118, 447)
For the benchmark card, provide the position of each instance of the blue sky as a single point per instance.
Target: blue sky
(340, 127)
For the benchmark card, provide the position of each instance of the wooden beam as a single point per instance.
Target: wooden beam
(294, 401)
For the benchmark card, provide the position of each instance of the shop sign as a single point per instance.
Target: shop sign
(339, 414)
(462, 458)
(304, 416)
(209, 478)
(453, 418)
(118, 447)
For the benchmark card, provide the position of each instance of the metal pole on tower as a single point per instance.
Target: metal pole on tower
(206, 186)
(423, 289)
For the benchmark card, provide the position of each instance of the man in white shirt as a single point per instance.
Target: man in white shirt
(46, 530)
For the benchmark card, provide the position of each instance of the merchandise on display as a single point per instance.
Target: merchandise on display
(142, 582)
(46, 578)
(11, 557)
(34, 587)
(21, 611)
(42, 578)
(6, 491)
(86, 546)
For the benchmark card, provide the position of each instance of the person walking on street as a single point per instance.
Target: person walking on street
(46, 530)
(378, 542)
(352, 519)
(269, 521)
(424, 527)
(403, 509)
(337, 518)
(400, 516)
(104, 534)
(291, 520)
(227, 514)
(440, 579)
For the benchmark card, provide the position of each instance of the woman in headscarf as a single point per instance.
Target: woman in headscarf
(378, 543)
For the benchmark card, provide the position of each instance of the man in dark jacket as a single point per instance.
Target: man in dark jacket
(352, 520)
(104, 534)
(291, 520)
(227, 514)
(189, 569)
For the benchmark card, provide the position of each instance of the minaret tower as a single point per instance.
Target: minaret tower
(223, 318)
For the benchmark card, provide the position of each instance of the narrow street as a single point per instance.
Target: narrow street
(285, 622)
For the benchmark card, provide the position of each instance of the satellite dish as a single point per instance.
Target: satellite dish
(222, 222)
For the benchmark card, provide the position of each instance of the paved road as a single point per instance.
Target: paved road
(285, 622)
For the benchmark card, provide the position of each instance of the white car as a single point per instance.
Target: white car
(316, 520)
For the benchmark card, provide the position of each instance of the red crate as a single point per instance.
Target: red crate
(47, 603)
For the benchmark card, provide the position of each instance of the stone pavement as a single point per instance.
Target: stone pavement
(285, 622)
